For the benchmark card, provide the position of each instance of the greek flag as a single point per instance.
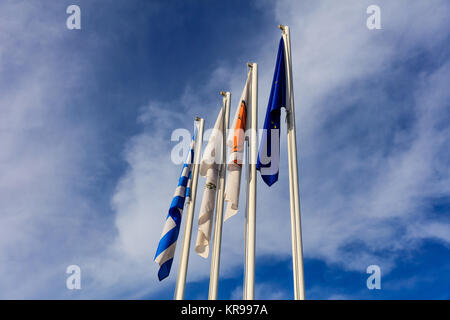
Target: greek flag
(166, 248)
(269, 152)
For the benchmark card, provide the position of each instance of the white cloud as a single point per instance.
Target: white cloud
(46, 222)
(332, 52)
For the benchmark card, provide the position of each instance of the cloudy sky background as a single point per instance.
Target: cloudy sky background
(87, 116)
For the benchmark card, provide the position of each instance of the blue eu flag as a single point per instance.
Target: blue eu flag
(269, 151)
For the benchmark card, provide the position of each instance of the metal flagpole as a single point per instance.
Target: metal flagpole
(249, 284)
(182, 269)
(247, 177)
(215, 256)
(297, 247)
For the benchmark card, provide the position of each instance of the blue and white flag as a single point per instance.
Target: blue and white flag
(166, 248)
(269, 151)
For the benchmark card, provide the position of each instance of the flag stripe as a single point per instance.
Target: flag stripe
(164, 269)
(168, 239)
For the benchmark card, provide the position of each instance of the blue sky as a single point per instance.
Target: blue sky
(87, 115)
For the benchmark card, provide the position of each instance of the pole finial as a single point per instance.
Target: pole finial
(197, 118)
(222, 93)
(280, 26)
(249, 64)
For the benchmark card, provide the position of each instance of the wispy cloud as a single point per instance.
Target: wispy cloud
(46, 220)
(368, 159)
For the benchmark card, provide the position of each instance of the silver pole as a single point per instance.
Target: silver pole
(182, 269)
(215, 256)
(251, 213)
(297, 248)
(247, 177)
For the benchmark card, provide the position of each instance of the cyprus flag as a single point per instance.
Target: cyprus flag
(236, 142)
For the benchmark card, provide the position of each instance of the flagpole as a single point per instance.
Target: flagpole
(297, 247)
(215, 256)
(182, 269)
(249, 284)
(247, 178)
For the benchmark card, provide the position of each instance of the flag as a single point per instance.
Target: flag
(166, 248)
(236, 142)
(209, 167)
(269, 152)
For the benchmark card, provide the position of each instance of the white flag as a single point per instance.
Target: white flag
(236, 142)
(209, 167)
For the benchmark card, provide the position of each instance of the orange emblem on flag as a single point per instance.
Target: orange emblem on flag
(239, 131)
